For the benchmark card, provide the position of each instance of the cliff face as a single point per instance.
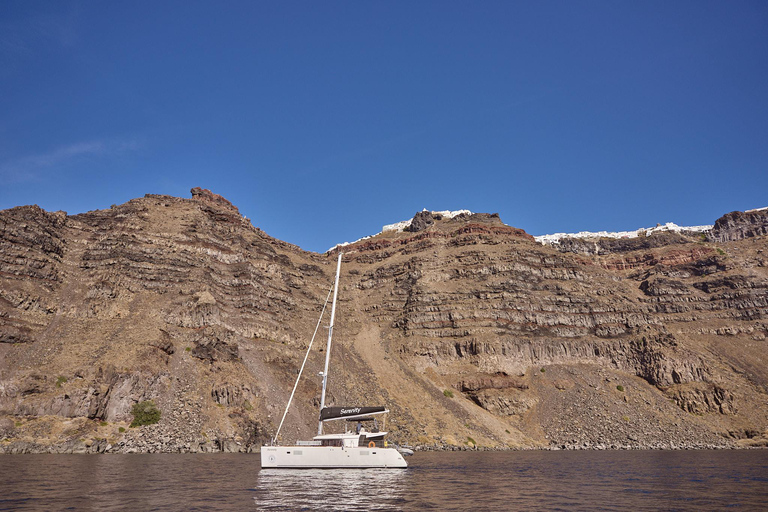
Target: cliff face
(467, 329)
(175, 300)
(740, 225)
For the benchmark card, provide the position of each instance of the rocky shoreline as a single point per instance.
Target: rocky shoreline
(103, 446)
(165, 439)
(232, 446)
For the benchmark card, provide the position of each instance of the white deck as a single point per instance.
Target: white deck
(330, 457)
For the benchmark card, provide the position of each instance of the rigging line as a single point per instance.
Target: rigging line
(303, 364)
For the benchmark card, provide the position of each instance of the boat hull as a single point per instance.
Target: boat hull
(330, 457)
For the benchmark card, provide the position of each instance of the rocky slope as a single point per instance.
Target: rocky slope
(471, 332)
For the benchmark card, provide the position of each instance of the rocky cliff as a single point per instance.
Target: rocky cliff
(471, 332)
(740, 225)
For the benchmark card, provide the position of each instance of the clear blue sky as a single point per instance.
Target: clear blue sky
(322, 121)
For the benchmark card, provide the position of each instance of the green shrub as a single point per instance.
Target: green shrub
(61, 380)
(620, 388)
(448, 393)
(543, 370)
(471, 441)
(121, 429)
(145, 413)
(103, 423)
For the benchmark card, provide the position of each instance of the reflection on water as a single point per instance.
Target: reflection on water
(631, 480)
(331, 489)
(619, 481)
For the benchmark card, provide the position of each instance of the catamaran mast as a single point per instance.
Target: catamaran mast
(328, 348)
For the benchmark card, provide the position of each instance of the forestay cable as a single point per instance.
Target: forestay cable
(302, 365)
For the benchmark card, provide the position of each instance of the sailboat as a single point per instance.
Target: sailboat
(362, 448)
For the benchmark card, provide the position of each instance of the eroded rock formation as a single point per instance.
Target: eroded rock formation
(470, 331)
(739, 225)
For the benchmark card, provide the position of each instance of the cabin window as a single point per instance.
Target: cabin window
(331, 442)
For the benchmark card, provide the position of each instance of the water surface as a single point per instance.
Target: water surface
(535, 480)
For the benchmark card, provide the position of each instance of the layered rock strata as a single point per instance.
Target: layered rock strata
(739, 225)
(473, 334)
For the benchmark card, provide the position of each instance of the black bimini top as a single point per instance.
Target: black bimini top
(346, 413)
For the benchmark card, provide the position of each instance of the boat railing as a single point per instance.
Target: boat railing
(404, 450)
(377, 444)
(309, 443)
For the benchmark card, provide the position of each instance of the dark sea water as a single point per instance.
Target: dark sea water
(538, 480)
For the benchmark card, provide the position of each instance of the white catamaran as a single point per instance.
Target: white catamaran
(359, 449)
